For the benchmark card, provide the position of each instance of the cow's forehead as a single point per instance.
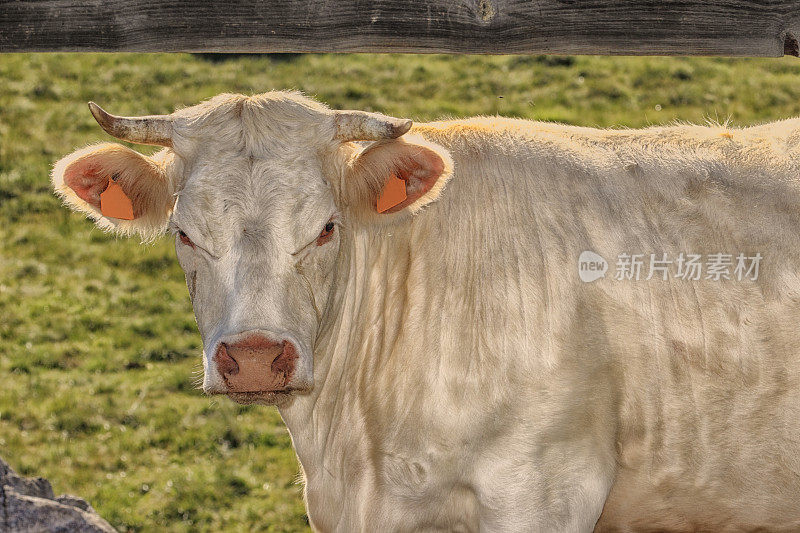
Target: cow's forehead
(229, 193)
(252, 183)
(245, 148)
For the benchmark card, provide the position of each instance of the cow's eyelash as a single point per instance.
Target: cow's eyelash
(185, 239)
(173, 228)
(334, 219)
(178, 232)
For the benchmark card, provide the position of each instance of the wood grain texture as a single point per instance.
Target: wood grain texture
(628, 27)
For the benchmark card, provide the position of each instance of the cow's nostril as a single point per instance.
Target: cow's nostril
(226, 365)
(285, 361)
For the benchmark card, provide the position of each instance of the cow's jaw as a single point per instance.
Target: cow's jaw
(261, 398)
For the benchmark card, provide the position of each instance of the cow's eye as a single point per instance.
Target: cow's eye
(185, 239)
(326, 233)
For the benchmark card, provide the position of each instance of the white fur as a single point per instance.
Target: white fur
(464, 378)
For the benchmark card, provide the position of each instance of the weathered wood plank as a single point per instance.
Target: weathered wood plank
(631, 27)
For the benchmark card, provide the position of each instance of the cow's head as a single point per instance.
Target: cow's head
(257, 191)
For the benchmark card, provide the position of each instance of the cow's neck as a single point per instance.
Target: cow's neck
(360, 319)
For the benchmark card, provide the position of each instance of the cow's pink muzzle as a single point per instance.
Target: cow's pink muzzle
(256, 364)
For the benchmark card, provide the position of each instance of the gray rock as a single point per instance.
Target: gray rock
(74, 501)
(28, 506)
(38, 487)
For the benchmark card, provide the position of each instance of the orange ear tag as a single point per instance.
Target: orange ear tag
(392, 194)
(115, 203)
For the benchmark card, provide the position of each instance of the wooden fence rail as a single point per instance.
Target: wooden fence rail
(629, 27)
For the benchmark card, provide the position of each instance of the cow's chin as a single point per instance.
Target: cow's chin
(277, 398)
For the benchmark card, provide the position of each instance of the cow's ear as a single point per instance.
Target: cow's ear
(120, 189)
(396, 176)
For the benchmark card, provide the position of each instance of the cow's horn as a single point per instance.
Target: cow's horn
(152, 129)
(364, 126)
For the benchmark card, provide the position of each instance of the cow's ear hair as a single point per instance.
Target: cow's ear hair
(395, 177)
(137, 188)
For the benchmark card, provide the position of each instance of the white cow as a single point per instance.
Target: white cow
(442, 365)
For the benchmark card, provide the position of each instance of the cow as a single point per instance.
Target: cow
(450, 316)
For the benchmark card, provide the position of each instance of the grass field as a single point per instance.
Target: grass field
(97, 339)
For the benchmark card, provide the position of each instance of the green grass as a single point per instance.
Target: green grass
(97, 340)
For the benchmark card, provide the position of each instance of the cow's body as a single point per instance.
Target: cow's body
(465, 378)
(472, 380)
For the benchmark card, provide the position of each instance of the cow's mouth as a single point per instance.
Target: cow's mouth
(280, 397)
